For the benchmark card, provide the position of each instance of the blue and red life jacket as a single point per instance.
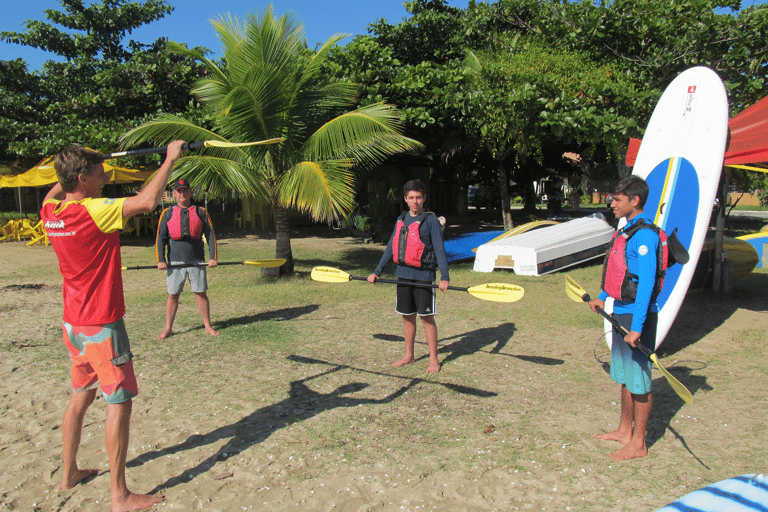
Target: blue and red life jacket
(618, 281)
(408, 248)
(185, 223)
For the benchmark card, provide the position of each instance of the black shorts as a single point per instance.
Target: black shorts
(415, 299)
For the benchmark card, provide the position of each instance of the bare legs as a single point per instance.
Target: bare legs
(430, 330)
(172, 305)
(203, 304)
(71, 428)
(117, 433)
(635, 412)
(118, 424)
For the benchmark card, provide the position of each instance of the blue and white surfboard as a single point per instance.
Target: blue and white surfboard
(681, 157)
(745, 493)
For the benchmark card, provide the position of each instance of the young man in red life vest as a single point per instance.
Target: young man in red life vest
(629, 366)
(416, 246)
(180, 235)
(84, 232)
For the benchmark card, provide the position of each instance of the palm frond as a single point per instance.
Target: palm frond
(323, 189)
(354, 133)
(219, 177)
(315, 64)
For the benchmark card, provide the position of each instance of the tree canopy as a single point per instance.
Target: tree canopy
(105, 85)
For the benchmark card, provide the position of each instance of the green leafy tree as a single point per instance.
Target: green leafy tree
(102, 86)
(531, 103)
(272, 86)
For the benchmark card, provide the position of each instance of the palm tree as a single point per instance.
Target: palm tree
(270, 86)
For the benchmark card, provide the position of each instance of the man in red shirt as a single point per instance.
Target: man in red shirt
(84, 231)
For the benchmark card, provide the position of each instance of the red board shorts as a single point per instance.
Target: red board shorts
(101, 354)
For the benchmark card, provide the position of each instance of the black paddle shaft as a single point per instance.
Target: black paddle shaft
(151, 151)
(188, 265)
(618, 326)
(424, 285)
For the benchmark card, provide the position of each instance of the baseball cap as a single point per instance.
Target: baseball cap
(180, 183)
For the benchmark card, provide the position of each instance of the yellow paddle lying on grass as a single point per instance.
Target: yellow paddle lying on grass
(253, 263)
(579, 294)
(494, 292)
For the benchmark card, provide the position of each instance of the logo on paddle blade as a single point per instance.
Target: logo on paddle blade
(691, 89)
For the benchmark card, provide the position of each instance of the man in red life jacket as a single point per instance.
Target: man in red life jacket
(180, 237)
(629, 366)
(416, 246)
(84, 231)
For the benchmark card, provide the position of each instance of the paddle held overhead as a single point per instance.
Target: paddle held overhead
(494, 292)
(191, 145)
(579, 294)
(253, 263)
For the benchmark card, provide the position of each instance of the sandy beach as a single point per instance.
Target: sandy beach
(296, 407)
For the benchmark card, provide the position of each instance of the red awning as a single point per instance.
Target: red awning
(748, 137)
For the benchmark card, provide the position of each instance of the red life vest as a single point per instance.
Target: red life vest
(185, 223)
(407, 246)
(618, 281)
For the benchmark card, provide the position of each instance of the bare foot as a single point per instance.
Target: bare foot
(615, 436)
(433, 368)
(76, 477)
(405, 360)
(136, 502)
(629, 452)
(165, 334)
(212, 331)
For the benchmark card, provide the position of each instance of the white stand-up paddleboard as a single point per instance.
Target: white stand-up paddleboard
(680, 158)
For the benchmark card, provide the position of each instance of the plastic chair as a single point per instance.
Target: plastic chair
(8, 230)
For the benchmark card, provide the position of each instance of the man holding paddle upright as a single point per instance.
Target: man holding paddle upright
(630, 277)
(84, 231)
(180, 234)
(416, 246)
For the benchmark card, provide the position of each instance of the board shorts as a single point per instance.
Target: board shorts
(100, 355)
(174, 281)
(629, 366)
(415, 299)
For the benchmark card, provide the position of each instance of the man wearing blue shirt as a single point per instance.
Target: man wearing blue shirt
(629, 366)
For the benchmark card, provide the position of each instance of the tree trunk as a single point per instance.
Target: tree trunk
(506, 214)
(282, 238)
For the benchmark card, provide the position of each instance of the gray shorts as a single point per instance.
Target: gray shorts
(176, 277)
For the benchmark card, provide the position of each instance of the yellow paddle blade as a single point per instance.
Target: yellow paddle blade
(225, 144)
(574, 291)
(265, 263)
(329, 275)
(497, 292)
(676, 385)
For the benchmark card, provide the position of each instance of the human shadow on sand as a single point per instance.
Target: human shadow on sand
(278, 315)
(476, 341)
(302, 403)
(704, 311)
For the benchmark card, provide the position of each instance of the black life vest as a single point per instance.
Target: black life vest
(408, 247)
(185, 223)
(618, 281)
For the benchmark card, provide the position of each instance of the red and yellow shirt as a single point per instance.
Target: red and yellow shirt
(85, 236)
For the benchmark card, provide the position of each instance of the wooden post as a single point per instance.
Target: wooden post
(718, 280)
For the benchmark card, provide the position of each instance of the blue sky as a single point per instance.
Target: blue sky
(190, 21)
